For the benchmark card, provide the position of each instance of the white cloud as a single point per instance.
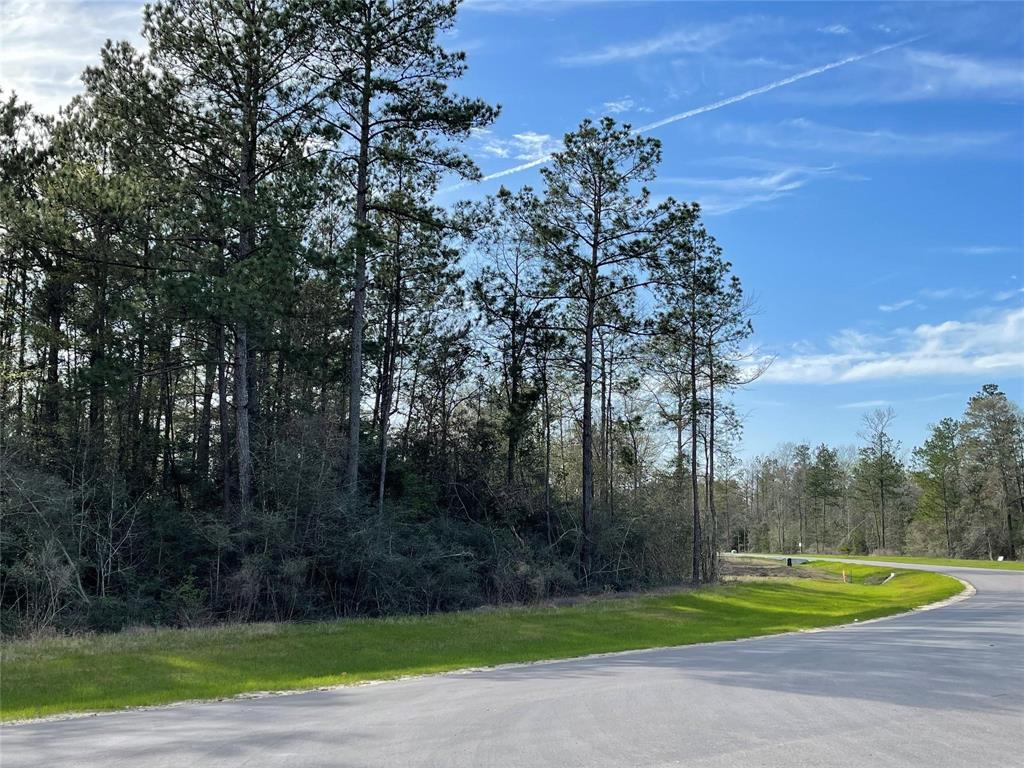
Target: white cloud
(835, 29)
(981, 250)
(920, 75)
(896, 306)
(949, 293)
(689, 40)
(988, 346)
(523, 6)
(808, 135)
(45, 44)
(620, 105)
(861, 404)
(725, 195)
(934, 398)
(496, 149)
(933, 294)
(530, 145)
(526, 145)
(849, 341)
(938, 72)
(1005, 295)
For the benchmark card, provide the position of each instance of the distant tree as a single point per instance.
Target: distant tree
(992, 443)
(938, 475)
(879, 469)
(801, 480)
(824, 484)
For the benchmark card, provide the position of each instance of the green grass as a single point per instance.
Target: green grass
(855, 574)
(1007, 565)
(103, 672)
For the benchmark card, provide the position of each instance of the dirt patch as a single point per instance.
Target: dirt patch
(747, 567)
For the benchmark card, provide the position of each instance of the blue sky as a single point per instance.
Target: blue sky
(874, 209)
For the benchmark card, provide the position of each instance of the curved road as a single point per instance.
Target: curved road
(943, 687)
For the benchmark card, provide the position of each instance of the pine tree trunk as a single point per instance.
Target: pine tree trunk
(546, 407)
(355, 377)
(679, 443)
(609, 442)
(389, 360)
(588, 434)
(224, 432)
(51, 398)
(603, 432)
(713, 554)
(244, 457)
(695, 574)
(202, 469)
(592, 287)
(97, 359)
(22, 347)
(246, 248)
(514, 415)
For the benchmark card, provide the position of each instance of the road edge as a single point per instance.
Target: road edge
(966, 593)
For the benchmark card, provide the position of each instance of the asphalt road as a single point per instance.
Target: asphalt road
(943, 687)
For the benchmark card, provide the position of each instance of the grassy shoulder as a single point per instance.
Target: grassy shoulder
(88, 673)
(1006, 565)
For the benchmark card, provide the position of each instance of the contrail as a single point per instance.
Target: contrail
(772, 86)
(517, 168)
(721, 103)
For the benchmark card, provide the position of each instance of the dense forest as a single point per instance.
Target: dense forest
(249, 369)
(959, 494)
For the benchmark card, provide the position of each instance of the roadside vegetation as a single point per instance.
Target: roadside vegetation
(1004, 565)
(252, 369)
(101, 672)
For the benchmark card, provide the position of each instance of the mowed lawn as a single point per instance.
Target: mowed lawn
(1006, 565)
(102, 672)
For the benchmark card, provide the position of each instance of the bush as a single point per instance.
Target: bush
(113, 614)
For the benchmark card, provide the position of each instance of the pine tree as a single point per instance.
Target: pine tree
(514, 305)
(596, 225)
(248, 106)
(938, 475)
(689, 281)
(879, 469)
(390, 77)
(824, 483)
(991, 436)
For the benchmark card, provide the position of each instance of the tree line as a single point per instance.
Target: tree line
(959, 494)
(250, 370)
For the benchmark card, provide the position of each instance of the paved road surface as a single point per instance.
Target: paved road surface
(935, 688)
